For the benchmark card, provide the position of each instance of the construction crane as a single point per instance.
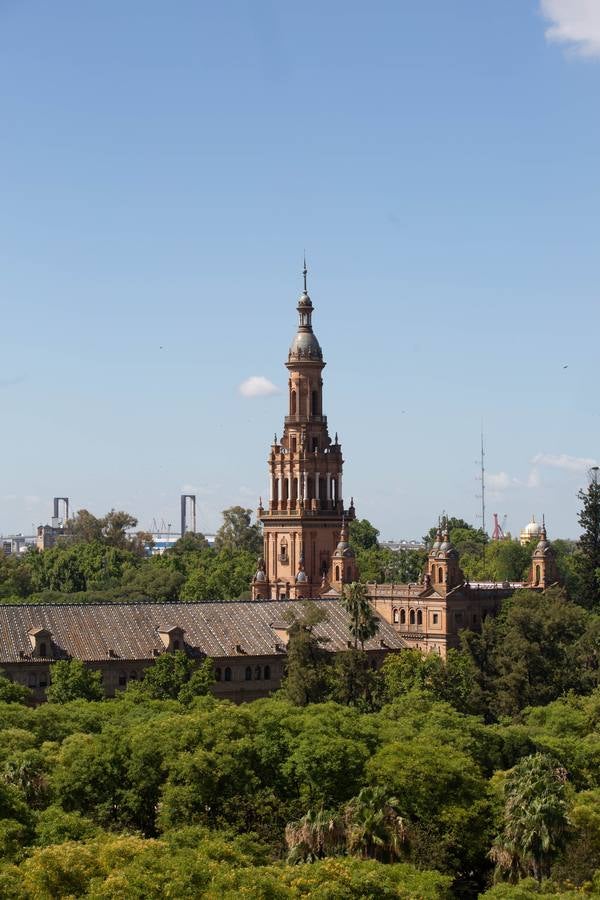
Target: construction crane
(498, 532)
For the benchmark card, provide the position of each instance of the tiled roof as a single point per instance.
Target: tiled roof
(130, 630)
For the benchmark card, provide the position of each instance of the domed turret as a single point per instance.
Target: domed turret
(531, 532)
(343, 548)
(544, 571)
(305, 344)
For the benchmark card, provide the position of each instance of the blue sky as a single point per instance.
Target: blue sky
(163, 166)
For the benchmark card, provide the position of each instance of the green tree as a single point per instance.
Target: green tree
(363, 535)
(363, 623)
(174, 676)
(352, 680)
(588, 556)
(72, 680)
(307, 675)
(374, 828)
(534, 819)
(236, 532)
(13, 693)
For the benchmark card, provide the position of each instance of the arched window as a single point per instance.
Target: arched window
(293, 403)
(419, 617)
(412, 617)
(217, 674)
(267, 672)
(403, 617)
(257, 673)
(43, 646)
(315, 403)
(440, 574)
(248, 673)
(294, 488)
(227, 673)
(396, 618)
(337, 573)
(538, 577)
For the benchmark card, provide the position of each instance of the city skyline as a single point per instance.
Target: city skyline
(163, 177)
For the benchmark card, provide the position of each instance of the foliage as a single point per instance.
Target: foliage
(540, 646)
(534, 820)
(72, 680)
(174, 676)
(11, 692)
(363, 535)
(236, 532)
(588, 556)
(307, 666)
(363, 622)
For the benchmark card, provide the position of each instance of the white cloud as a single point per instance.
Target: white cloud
(258, 386)
(534, 479)
(499, 481)
(575, 23)
(563, 461)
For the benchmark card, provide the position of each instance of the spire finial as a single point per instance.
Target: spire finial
(305, 272)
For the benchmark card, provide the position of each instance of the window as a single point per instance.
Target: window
(32, 679)
(43, 646)
(258, 673)
(293, 403)
(122, 679)
(458, 617)
(267, 672)
(434, 618)
(403, 617)
(474, 617)
(43, 681)
(248, 673)
(538, 574)
(227, 674)
(440, 574)
(337, 573)
(315, 403)
(315, 444)
(374, 665)
(217, 674)
(412, 617)
(419, 617)
(175, 645)
(396, 618)
(133, 676)
(294, 444)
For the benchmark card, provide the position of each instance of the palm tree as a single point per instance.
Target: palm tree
(317, 834)
(534, 819)
(374, 828)
(363, 622)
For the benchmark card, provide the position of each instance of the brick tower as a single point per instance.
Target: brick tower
(305, 514)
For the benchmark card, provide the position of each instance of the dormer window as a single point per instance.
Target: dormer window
(172, 637)
(41, 642)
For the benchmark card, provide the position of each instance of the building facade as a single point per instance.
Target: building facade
(247, 641)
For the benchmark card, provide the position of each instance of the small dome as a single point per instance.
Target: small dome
(305, 346)
(305, 302)
(533, 529)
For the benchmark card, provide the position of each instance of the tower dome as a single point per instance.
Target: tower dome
(305, 344)
(531, 531)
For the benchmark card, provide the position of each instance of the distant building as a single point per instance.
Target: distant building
(306, 549)
(16, 544)
(246, 640)
(531, 532)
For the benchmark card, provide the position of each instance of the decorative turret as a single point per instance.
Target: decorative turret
(443, 568)
(544, 571)
(343, 563)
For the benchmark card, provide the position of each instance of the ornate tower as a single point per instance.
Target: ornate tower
(443, 568)
(303, 521)
(543, 562)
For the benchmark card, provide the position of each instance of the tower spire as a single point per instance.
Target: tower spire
(305, 273)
